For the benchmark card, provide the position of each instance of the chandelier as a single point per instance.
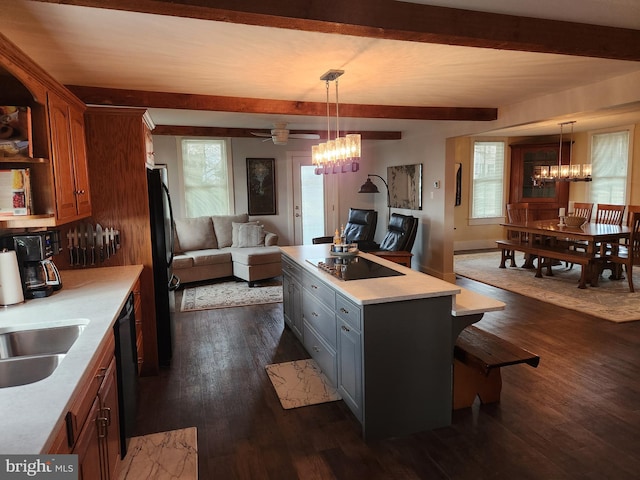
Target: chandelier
(572, 172)
(342, 153)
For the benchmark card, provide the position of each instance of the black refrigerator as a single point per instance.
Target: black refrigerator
(162, 241)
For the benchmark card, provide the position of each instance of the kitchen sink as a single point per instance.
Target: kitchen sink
(30, 355)
(39, 341)
(23, 370)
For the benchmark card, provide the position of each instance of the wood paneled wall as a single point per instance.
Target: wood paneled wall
(117, 154)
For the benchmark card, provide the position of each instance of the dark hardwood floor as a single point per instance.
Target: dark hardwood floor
(576, 416)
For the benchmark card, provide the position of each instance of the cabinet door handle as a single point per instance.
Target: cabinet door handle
(79, 192)
(344, 311)
(314, 286)
(346, 329)
(106, 411)
(101, 423)
(102, 372)
(314, 314)
(316, 348)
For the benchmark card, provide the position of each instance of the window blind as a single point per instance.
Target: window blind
(488, 180)
(206, 177)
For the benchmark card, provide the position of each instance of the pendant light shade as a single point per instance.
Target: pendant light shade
(342, 153)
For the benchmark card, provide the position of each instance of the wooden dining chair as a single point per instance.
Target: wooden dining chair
(583, 210)
(630, 210)
(627, 255)
(516, 213)
(610, 214)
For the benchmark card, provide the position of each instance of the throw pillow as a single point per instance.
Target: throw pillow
(249, 235)
(195, 233)
(222, 227)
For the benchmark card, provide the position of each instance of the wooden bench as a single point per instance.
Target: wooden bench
(478, 357)
(510, 247)
(545, 254)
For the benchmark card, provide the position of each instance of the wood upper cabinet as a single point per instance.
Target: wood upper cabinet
(545, 197)
(58, 157)
(69, 157)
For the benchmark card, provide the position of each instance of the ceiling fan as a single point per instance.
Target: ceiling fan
(280, 135)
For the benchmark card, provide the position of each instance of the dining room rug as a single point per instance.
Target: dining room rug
(227, 294)
(301, 383)
(171, 455)
(611, 300)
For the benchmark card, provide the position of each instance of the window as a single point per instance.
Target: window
(206, 173)
(487, 197)
(609, 166)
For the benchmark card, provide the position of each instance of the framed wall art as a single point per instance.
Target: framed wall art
(405, 186)
(261, 186)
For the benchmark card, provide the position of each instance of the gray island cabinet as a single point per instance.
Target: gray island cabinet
(385, 343)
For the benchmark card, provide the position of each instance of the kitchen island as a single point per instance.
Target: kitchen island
(32, 414)
(385, 342)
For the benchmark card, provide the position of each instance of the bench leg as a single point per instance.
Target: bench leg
(507, 255)
(469, 382)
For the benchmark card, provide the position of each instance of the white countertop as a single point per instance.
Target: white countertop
(30, 413)
(410, 286)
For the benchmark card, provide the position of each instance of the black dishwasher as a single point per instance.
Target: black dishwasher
(127, 371)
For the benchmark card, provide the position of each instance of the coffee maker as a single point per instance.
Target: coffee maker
(38, 273)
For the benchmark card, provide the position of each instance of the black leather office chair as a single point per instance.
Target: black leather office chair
(360, 228)
(401, 233)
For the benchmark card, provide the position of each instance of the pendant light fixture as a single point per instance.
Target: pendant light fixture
(573, 172)
(341, 154)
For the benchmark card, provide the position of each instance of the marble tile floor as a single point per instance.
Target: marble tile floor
(301, 383)
(171, 455)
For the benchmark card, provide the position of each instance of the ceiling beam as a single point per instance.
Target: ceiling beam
(192, 131)
(397, 20)
(185, 101)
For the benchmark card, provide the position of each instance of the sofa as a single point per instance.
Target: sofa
(222, 246)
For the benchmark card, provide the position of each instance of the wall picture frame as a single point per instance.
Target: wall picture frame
(405, 186)
(261, 186)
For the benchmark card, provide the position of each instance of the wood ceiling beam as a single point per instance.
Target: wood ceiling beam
(193, 131)
(395, 20)
(138, 98)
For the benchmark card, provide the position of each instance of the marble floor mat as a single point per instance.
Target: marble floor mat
(171, 455)
(301, 383)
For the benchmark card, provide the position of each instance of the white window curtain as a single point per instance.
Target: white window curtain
(487, 199)
(609, 164)
(206, 174)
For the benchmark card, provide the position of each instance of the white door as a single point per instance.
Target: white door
(312, 213)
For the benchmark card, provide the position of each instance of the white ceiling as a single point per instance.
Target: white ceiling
(116, 49)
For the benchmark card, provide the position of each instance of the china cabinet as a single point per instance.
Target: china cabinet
(528, 184)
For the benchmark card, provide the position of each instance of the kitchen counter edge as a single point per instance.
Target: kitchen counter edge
(33, 413)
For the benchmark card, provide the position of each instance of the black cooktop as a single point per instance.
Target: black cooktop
(353, 268)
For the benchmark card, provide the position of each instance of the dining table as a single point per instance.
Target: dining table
(549, 240)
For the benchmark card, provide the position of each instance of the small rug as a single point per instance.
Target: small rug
(611, 300)
(230, 294)
(169, 455)
(301, 383)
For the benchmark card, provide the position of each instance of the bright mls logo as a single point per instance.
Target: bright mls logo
(50, 467)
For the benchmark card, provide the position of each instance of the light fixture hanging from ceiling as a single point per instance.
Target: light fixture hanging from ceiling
(571, 172)
(343, 153)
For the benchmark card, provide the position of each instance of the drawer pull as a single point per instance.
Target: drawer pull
(314, 286)
(316, 348)
(344, 311)
(314, 314)
(346, 329)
